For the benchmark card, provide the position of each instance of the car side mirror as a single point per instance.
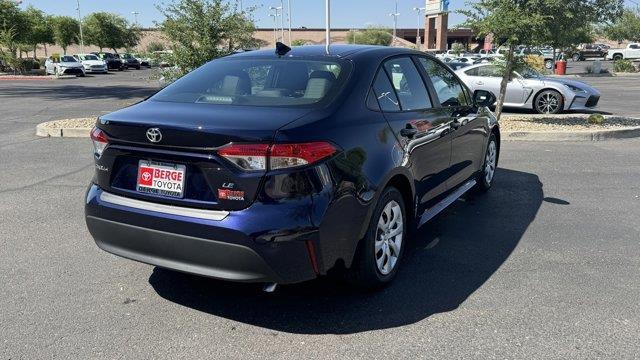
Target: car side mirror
(483, 98)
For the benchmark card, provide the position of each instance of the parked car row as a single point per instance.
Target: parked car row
(95, 62)
(486, 54)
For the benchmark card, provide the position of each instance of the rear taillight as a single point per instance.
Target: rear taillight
(100, 141)
(250, 157)
(255, 157)
(292, 155)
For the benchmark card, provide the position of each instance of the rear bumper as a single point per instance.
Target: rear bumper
(184, 253)
(252, 245)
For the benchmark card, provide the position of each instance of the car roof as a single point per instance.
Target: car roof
(336, 51)
(475, 66)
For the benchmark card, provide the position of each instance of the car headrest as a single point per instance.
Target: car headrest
(319, 74)
(236, 83)
(319, 83)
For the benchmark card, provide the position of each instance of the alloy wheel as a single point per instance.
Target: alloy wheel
(389, 235)
(548, 102)
(490, 162)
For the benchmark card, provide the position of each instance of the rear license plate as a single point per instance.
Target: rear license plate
(161, 178)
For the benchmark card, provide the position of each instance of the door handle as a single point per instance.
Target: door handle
(409, 131)
(479, 83)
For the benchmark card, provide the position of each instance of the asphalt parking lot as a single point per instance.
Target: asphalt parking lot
(546, 265)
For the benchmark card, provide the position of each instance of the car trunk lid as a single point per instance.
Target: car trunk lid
(188, 140)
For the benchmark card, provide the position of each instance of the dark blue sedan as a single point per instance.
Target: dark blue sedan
(279, 166)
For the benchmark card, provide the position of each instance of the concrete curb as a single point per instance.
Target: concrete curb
(585, 75)
(25, 78)
(601, 135)
(43, 131)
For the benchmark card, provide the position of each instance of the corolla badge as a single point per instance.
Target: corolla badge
(154, 135)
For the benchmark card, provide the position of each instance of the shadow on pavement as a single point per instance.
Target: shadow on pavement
(78, 91)
(449, 259)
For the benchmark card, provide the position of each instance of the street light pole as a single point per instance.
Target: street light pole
(135, 17)
(276, 9)
(395, 15)
(289, 16)
(327, 24)
(80, 24)
(419, 10)
(275, 23)
(282, 20)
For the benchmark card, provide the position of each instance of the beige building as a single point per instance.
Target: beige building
(406, 38)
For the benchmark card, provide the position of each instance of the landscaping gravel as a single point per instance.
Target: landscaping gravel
(563, 123)
(80, 123)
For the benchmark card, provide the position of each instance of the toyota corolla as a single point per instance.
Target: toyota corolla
(279, 166)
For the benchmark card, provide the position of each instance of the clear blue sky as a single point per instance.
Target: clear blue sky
(309, 13)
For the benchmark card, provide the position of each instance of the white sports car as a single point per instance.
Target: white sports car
(92, 63)
(531, 90)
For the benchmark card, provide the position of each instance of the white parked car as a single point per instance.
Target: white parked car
(92, 63)
(467, 59)
(531, 90)
(488, 53)
(631, 52)
(65, 65)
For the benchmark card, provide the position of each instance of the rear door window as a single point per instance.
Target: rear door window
(384, 93)
(407, 82)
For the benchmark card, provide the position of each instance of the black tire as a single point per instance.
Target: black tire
(576, 57)
(617, 57)
(548, 102)
(483, 181)
(364, 272)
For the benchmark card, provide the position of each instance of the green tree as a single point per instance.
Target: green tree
(110, 31)
(370, 36)
(65, 31)
(457, 48)
(40, 29)
(131, 38)
(625, 27)
(511, 22)
(570, 22)
(13, 25)
(299, 42)
(202, 30)
(528, 22)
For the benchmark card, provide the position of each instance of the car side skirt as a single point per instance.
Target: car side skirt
(444, 203)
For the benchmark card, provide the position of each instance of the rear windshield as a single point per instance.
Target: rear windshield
(259, 82)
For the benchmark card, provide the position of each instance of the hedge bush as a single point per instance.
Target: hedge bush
(623, 66)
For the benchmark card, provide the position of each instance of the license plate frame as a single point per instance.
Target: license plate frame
(161, 179)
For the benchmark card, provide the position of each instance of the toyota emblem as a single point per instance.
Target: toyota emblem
(154, 135)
